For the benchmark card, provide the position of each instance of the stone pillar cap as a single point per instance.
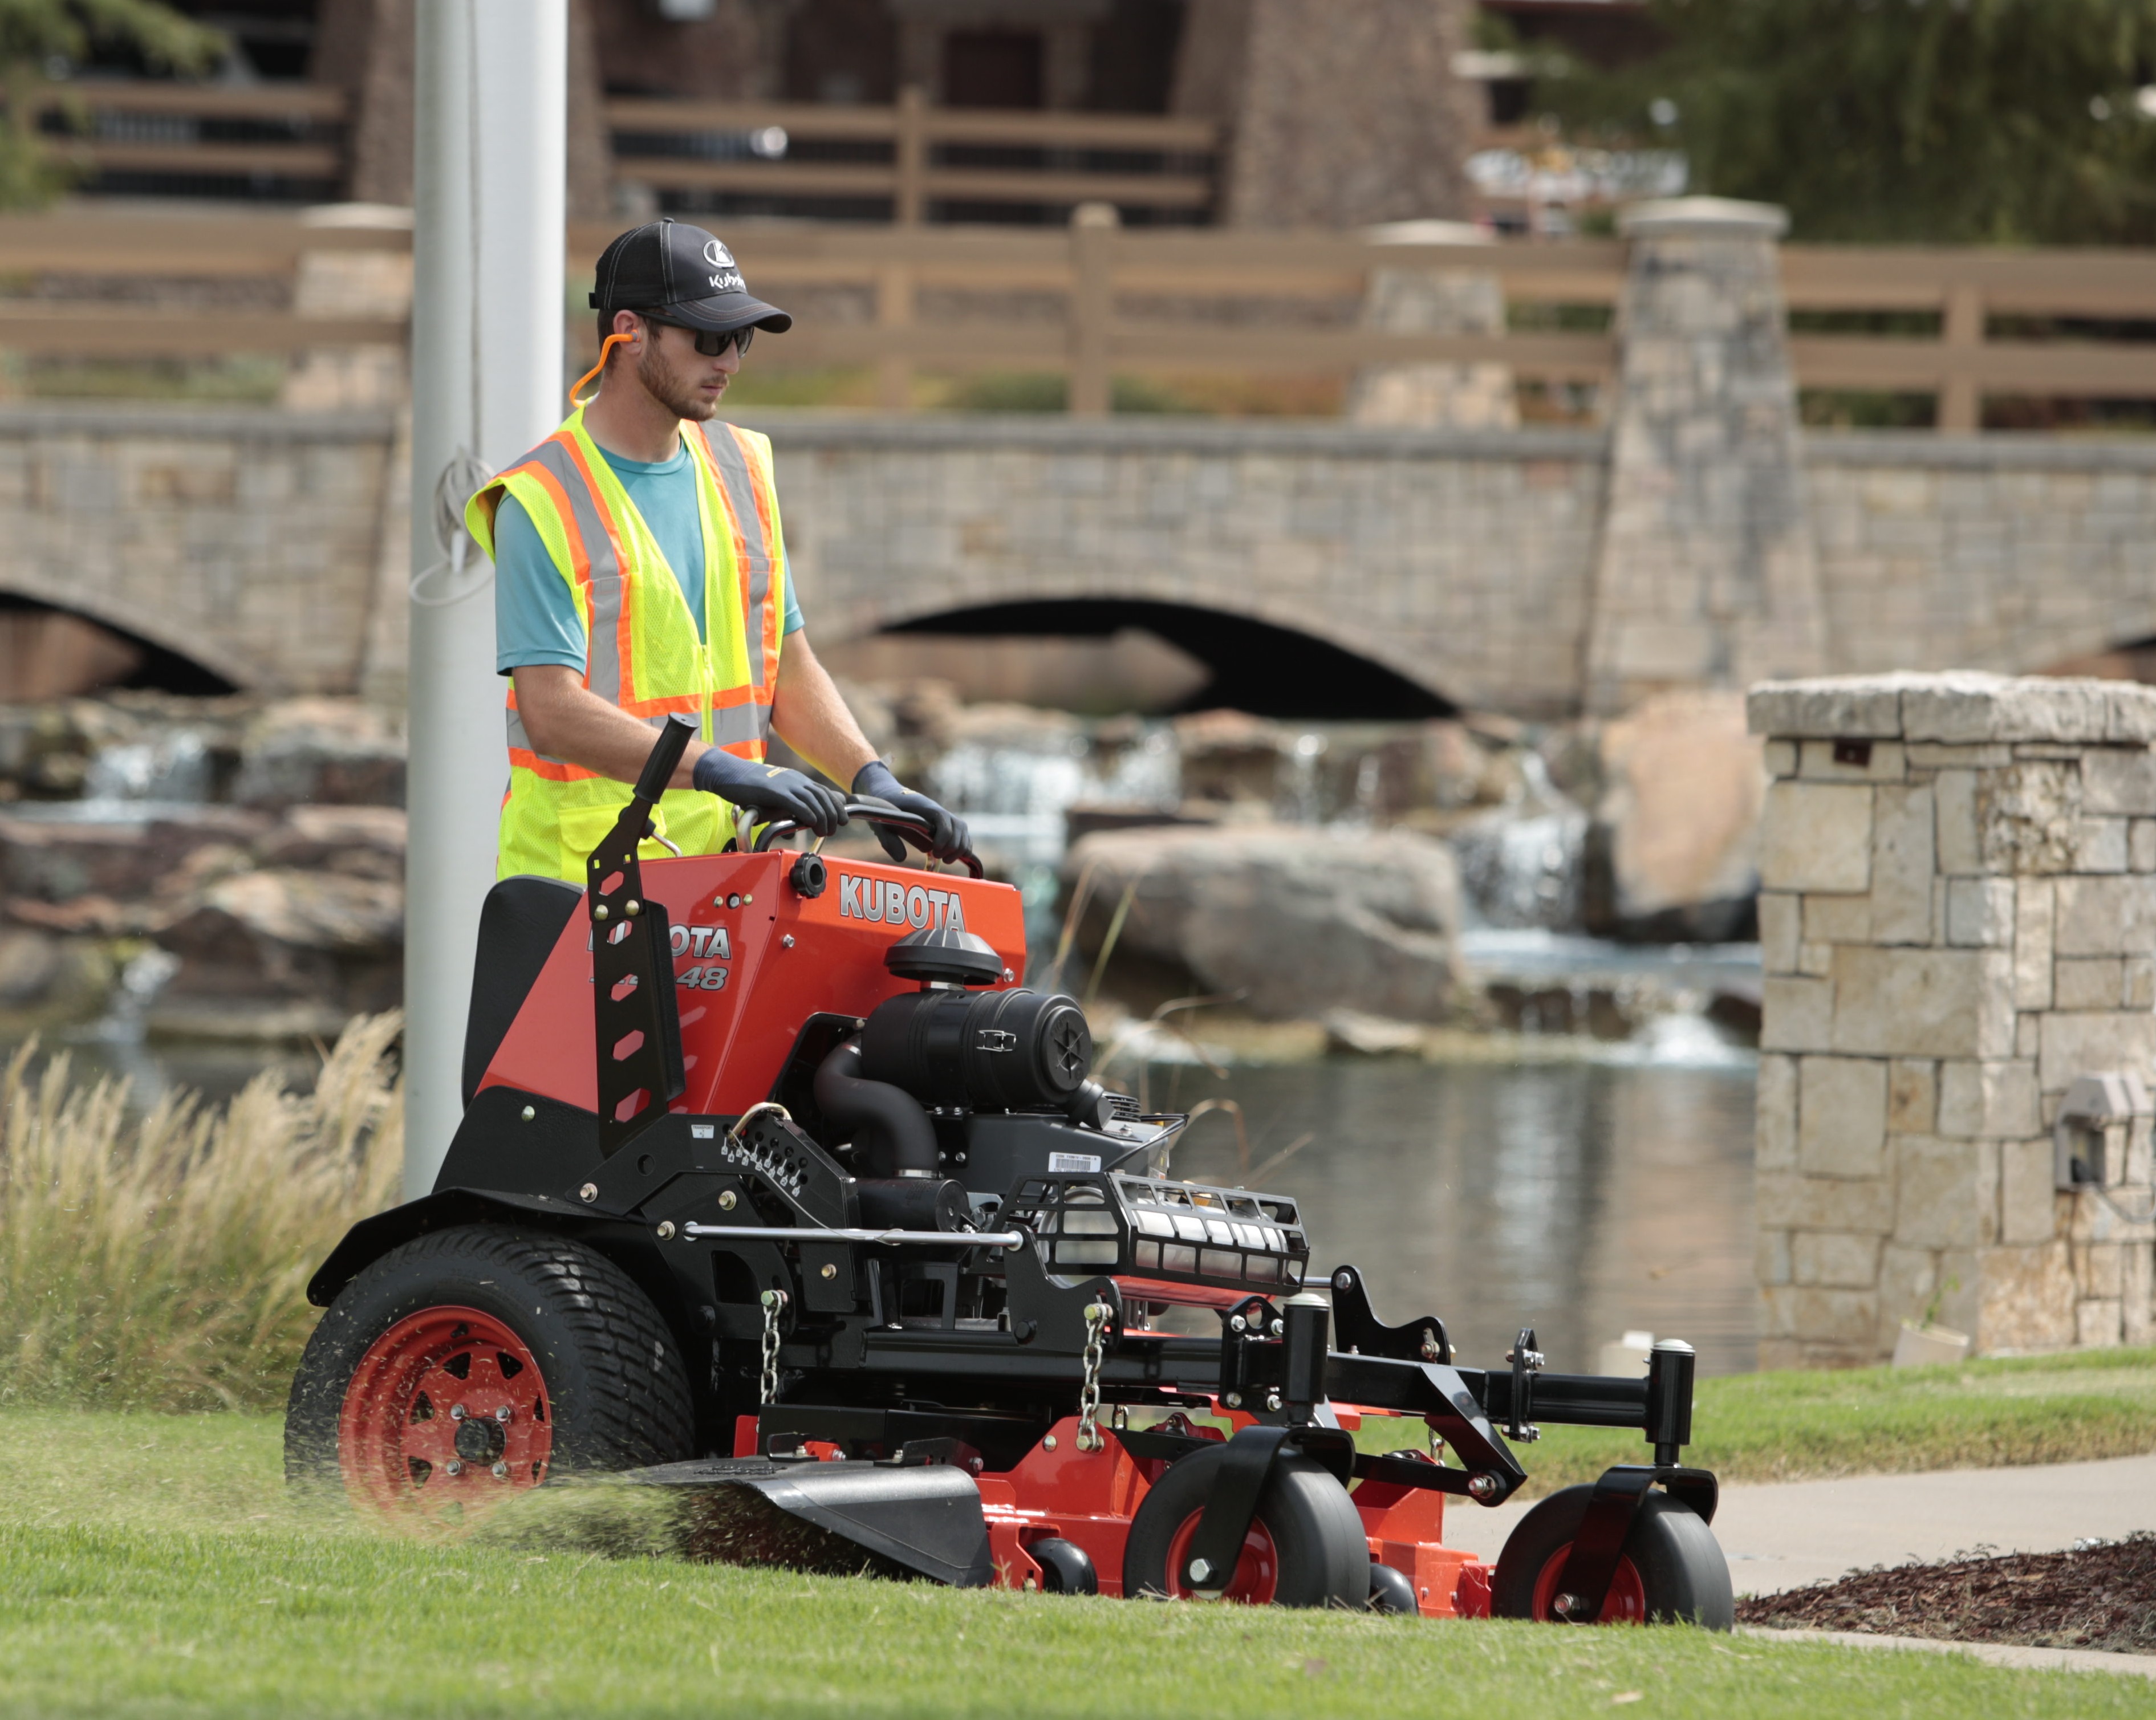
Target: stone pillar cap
(1705, 217)
(1961, 707)
(1429, 233)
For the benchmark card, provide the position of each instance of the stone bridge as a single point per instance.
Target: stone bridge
(1464, 562)
(1700, 540)
(252, 542)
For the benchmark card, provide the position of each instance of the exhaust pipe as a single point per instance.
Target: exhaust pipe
(900, 1140)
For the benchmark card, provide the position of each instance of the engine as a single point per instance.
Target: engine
(951, 1099)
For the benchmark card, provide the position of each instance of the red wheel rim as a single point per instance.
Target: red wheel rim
(446, 1414)
(1257, 1572)
(1627, 1603)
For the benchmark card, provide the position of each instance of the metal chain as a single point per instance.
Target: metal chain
(774, 1305)
(1090, 1437)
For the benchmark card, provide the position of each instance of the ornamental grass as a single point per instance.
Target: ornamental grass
(158, 1259)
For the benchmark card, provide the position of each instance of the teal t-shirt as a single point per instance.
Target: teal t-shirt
(535, 617)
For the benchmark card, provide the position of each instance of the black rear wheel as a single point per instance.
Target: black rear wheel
(1304, 1547)
(1671, 1570)
(474, 1362)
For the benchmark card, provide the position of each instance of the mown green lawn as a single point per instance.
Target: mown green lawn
(152, 1565)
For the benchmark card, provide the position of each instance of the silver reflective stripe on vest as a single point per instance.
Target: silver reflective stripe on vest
(602, 649)
(740, 495)
(744, 722)
(740, 722)
(520, 741)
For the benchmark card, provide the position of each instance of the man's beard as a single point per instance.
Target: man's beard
(678, 397)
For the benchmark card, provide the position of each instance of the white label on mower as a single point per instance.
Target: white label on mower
(886, 901)
(1074, 1161)
(703, 943)
(702, 1130)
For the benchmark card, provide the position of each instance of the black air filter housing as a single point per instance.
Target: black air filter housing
(997, 1050)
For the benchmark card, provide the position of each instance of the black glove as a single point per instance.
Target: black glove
(770, 789)
(947, 835)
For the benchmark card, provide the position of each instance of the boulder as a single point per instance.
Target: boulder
(50, 976)
(1350, 1033)
(1229, 756)
(50, 860)
(359, 841)
(279, 936)
(1673, 852)
(29, 964)
(1291, 921)
(334, 752)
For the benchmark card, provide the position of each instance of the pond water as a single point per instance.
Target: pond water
(1582, 1198)
(1584, 1195)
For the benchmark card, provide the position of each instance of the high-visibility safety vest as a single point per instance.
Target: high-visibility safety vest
(641, 651)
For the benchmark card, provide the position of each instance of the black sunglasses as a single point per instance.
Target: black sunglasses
(709, 341)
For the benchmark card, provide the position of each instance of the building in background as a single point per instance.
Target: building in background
(1333, 113)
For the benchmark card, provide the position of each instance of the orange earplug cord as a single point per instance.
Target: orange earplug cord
(606, 346)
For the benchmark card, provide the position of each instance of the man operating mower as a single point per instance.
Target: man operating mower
(639, 572)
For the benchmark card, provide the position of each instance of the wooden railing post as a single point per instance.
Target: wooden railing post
(1092, 307)
(893, 321)
(909, 202)
(1960, 406)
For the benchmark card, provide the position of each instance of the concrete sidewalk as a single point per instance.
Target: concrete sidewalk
(1786, 1534)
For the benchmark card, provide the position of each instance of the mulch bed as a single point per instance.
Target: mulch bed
(2101, 1597)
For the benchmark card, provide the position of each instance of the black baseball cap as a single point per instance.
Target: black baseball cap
(685, 274)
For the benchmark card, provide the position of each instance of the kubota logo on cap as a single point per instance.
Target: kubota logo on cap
(717, 255)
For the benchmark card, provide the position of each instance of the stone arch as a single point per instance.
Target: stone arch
(1258, 664)
(173, 659)
(1267, 665)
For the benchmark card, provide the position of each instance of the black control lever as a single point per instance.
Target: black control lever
(674, 735)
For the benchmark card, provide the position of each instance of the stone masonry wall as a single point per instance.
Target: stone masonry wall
(242, 538)
(2007, 552)
(1457, 558)
(1957, 919)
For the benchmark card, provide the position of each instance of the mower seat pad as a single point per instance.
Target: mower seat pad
(519, 926)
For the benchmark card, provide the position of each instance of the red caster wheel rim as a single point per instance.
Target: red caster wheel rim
(1627, 1603)
(1257, 1572)
(445, 1415)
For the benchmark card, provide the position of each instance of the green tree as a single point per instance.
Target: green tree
(33, 34)
(1964, 121)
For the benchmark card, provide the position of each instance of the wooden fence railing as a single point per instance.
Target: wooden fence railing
(915, 159)
(185, 130)
(173, 248)
(1158, 300)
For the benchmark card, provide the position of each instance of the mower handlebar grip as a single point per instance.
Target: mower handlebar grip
(674, 735)
(872, 811)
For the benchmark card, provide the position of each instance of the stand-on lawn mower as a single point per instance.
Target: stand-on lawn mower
(828, 1193)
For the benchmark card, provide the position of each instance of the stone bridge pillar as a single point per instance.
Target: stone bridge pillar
(1704, 575)
(1957, 915)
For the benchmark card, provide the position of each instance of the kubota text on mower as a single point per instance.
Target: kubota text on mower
(775, 1186)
